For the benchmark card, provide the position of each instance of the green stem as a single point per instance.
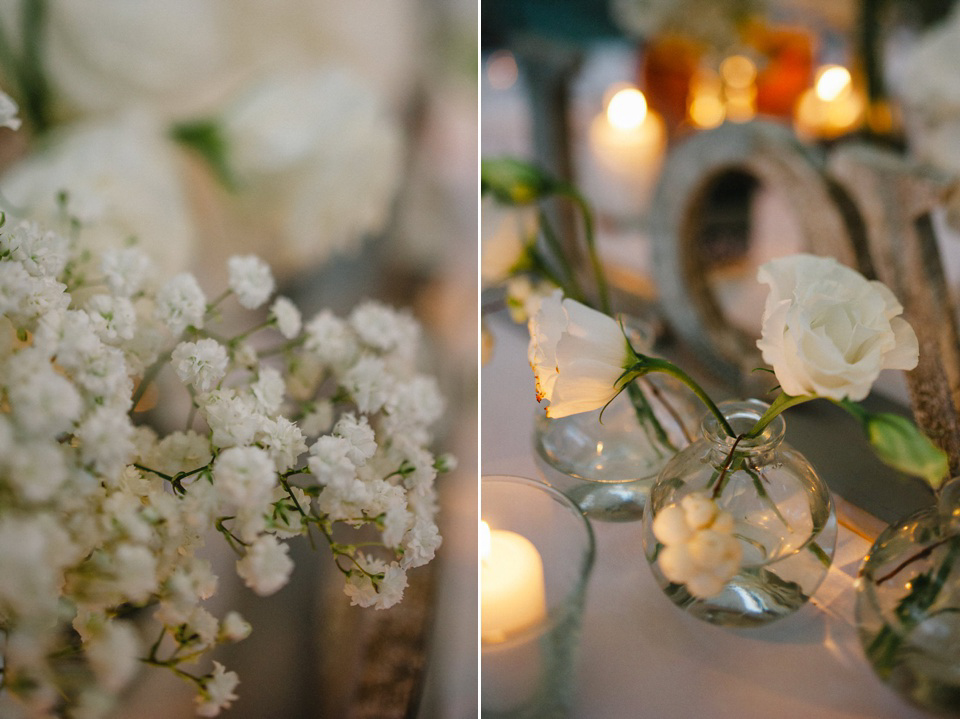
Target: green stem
(724, 471)
(655, 364)
(556, 248)
(588, 233)
(646, 416)
(781, 403)
(148, 377)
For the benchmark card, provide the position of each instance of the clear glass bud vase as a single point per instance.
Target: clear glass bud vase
(760, 528)
(606, 462)
(908, 604)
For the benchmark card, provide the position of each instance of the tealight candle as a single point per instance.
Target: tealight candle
(512, 599)
(832, 107)
(512, 596)
(627, 143)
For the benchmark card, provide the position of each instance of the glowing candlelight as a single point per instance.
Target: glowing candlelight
(512, 596)
(832, 107)
(627, 142)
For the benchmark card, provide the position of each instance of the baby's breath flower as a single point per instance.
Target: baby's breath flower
(201, 364)
(287, 317)
(250, 280)
(217, 691)
(181, 303)
(266, 566)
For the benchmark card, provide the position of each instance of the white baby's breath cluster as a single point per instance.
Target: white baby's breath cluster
(317, 428)
(699, 549)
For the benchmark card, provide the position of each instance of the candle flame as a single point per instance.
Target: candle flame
(832, 82)
(627, 109)
(485, 541)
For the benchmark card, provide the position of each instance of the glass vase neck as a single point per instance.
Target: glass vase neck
(948, 500)
(743, 415)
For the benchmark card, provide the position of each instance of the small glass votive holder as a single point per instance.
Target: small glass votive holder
(536, 555)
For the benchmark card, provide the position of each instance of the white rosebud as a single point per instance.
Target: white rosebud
(707, 547)
(723, 522)
(676, 563)
(670, 525)
(699, 510)
(705, 585)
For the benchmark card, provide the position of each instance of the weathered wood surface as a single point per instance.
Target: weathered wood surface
(772, 155)
(894, 199)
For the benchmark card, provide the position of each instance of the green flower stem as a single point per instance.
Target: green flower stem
(783, 402)
(543, 267)
(553, 242)
(819, 553)
(645, 365)
(725, 469)
(588, 233)
(148, 377)
(646, 416)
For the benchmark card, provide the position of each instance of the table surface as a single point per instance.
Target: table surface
(640, 655)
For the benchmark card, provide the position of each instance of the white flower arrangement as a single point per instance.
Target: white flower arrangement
(827, 332)
(318, 428)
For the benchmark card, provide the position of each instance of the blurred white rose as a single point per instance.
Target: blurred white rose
(381, 42)
(929, 86)
(506, 233)
(828, 331)
(122, 183)
(172, 56)
(318, 156)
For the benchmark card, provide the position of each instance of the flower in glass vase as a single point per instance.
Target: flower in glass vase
(828, 332)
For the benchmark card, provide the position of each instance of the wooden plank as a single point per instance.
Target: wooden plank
(894, 199)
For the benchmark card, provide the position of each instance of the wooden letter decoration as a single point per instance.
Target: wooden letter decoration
(771, 154)
(894, 199)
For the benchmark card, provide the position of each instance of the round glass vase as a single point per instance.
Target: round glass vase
(908, 604)
(783, 518)
(606, 460)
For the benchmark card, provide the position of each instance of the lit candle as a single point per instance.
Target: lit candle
(512, 599)
(627, 144)
(512, 596)
(832, 107)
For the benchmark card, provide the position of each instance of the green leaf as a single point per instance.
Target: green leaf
(206, 138)
(900, 444)
(513, 181)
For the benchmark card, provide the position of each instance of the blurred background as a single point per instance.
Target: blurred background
(616, 95)
(339, 142)
(602, 92)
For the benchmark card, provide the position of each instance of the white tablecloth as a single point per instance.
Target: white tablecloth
(640, 656)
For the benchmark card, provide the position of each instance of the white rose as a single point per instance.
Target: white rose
(318, 156)
(578, 356)
(828, 331)
(121, 181)
(380, 42)
(172, 56)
